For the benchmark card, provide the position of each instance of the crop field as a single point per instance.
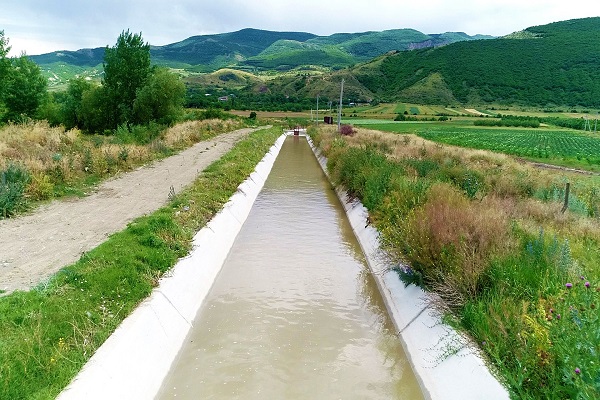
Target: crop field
(560, 146)
(591, 115)
(529, 143)
(389, 109)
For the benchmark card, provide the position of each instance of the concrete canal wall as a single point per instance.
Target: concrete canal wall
(133, 362)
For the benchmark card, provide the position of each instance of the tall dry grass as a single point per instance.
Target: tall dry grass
(63, 161)
(190, 132)
(505, 178)
(451, 240)
(55, 156)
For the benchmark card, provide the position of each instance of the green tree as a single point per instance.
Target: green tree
(72, 103)
(4, 68)
(25, 89)
(93, 109)
(126, 70)
(160, 99)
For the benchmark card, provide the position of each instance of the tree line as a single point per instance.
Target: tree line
(132, 92)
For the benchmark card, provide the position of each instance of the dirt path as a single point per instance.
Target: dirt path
(34, 247)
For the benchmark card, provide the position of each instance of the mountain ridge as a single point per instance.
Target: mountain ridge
(232, 49)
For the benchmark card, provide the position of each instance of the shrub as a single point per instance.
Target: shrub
(40, 187)
(346, 130)
(13, 181)
(449, 241)
(366, 173)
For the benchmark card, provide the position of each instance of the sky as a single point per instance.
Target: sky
(43, 26)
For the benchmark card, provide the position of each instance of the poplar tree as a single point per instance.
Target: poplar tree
(126, 70)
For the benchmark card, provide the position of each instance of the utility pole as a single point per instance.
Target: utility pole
(317, 111)
(340, 106)
(587, 124)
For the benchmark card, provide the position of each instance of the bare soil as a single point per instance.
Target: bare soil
(475, 112)
(33, 247)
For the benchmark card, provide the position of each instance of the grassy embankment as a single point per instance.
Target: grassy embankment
(487, 236)
(39, 163)
(48, 333)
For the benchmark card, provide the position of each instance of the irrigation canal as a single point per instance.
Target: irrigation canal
(294, 313)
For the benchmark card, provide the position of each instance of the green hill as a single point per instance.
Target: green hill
(254, 49)
(547, 66)
(225, 48)
(79, 58)
(554, 64)
(345, 49)
(219, 49)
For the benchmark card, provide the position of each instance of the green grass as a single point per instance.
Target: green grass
(400, 108)
(48, 333)
(387, 109)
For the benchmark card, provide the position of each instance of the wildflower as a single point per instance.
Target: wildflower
(551, 310)
(577, 371)
(582, 277)
(557, 316)
(569, 285)
(587, 284)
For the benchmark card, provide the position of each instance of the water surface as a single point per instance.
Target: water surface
(294, 314)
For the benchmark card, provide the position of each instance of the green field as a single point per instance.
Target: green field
(384, 110)
(557, 146)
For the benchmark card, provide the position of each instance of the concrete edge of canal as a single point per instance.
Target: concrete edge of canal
(136, 358)
(445, 367)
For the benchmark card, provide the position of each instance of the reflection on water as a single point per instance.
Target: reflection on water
(294, 314)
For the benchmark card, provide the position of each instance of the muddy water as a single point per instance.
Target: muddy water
(294, 313)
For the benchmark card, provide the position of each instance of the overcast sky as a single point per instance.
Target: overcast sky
(42, 26)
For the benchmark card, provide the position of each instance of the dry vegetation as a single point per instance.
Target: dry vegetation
(52, 162)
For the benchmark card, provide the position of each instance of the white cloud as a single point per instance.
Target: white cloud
(38, 26)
